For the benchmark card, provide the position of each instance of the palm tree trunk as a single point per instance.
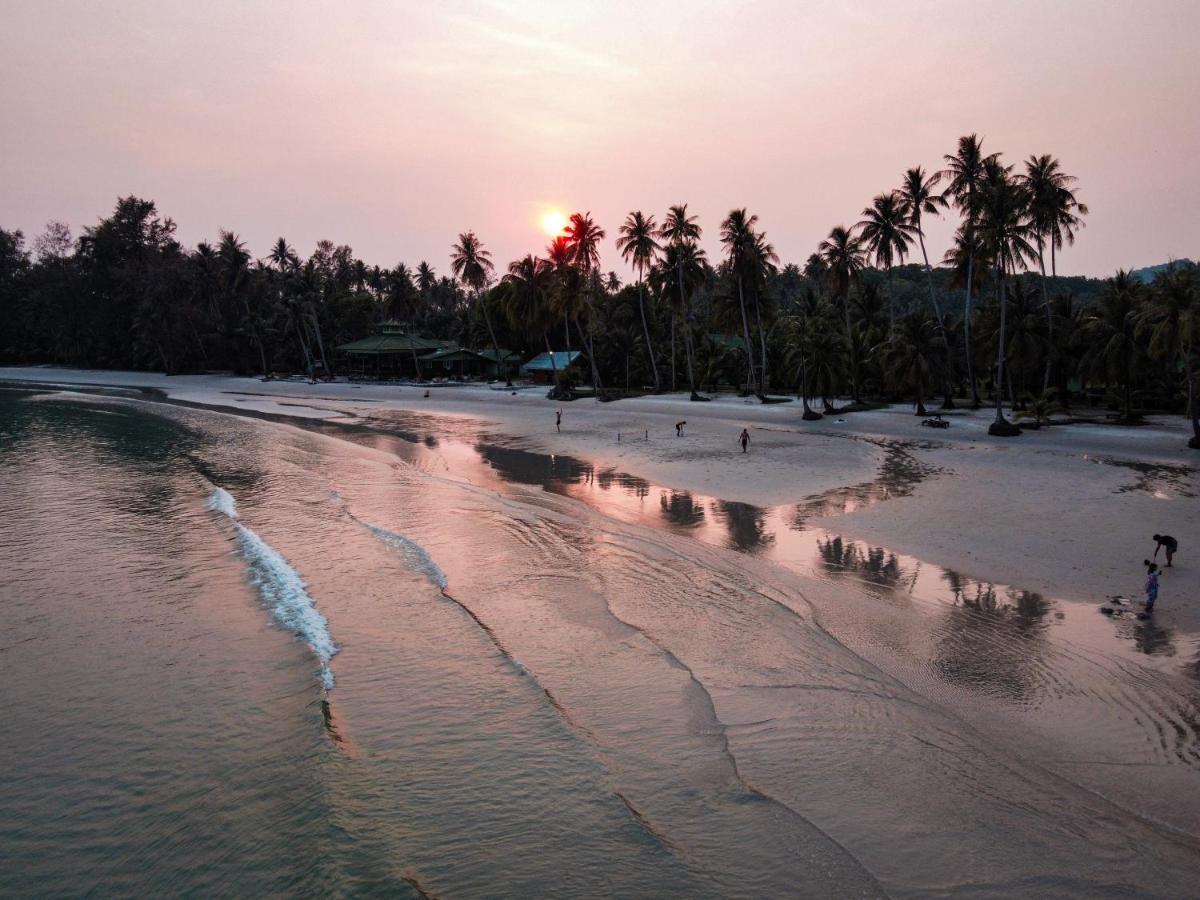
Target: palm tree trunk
(967, 330)
(673, 351)
(948, 403)
(762, 343)
(891, 300)
(553, 364)
(1000, 351)
(1049, 322)
(920, 392)
(646, 332)
(492, 334)
(1193, 406)
(321, 345)
(586, 338)
(853, 352)
(750, 382)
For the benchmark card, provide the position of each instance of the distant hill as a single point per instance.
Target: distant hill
(1146, 274)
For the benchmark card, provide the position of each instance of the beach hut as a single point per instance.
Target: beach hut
(387, 353)
(506, 364)
(542, 370)
(455, 363)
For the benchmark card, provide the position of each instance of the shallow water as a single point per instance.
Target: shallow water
(547, 679)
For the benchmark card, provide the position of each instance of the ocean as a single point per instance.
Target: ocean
(395, 656)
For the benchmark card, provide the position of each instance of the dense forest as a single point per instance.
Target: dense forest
(868, 315)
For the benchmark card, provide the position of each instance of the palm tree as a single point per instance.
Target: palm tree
(1003, 231)
(965, 171)
(583, 237)
(844, 259)
(1111, 329)
(737, 234)
(1172, 319)
(911, 351)
(887, 234)
(918, 197)
(638, 247)
(426, 277)
(968, 268)
(1052, 207)
(473, 266)
(1041, 408)
(529, 303)
(680, 231)
(683, 267)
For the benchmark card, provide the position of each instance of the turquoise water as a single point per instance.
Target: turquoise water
(397, 659)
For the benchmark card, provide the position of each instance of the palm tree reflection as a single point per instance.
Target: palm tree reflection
(746, 525)
(873, 564)
(680, 508)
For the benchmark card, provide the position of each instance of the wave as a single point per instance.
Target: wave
(416, 555)
(280, 586)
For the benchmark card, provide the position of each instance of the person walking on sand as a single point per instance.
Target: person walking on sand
(558, 420)
(1168, 543)
(679, 429)
(1151, 586)
(744, 439)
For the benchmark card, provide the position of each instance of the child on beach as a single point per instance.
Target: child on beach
(1151, 586)
(744, 438)
(679, 428)
(558, 420)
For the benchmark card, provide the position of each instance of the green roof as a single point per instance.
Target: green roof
(507, 355)
(727, 341)
(453, 355)
(380, 344)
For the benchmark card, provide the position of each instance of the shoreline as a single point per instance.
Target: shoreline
(1064, 511)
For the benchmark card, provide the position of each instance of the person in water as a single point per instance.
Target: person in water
(558, 420)
(1168, 543)
(1151, 586)
(679, 428)
(744, 439)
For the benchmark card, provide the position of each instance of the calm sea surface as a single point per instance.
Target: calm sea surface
(388, 656)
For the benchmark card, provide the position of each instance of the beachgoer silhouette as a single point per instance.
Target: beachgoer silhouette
(558, 420)
(1151, 586)
(744, 438)
(679, 428)
(1168, 543)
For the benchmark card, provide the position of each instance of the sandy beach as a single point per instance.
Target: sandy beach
(1067, 511)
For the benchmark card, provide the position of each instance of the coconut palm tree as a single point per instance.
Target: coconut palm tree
(529, 304)
(844, 259)
(1041, 408)
(680, 230)
(1004, 230)
(965, 172)
(473, 266)
(1115, 352)
(1171, 318)
(763, 262)
(911, 353)
(1050, 200)
(967, 270)
(638, 247)
(426, 278)
(583, 237)
(919, 199)
(737, 234)
(683, 271)
(886, 233)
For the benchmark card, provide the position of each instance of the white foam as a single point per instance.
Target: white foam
(418, 557)
(281, 588)
(220, 500)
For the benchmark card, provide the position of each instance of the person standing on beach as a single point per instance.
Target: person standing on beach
(744, 438)
(1151, 586)
(1168, 543)
(558, 420)
(679, 429)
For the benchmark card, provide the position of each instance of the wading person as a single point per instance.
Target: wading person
(744, 439)
(1168, 543)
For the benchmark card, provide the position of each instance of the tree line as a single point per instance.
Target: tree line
(867, 316)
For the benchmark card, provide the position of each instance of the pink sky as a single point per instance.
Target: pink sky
(393, 126)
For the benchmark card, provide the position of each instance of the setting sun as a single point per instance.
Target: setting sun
(553, 223)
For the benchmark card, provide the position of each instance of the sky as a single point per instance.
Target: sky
(392, 126)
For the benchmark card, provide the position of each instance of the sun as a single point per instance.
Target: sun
(553, 222)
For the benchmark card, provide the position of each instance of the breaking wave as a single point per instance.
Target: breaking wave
(280, 586)
(416, 555)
